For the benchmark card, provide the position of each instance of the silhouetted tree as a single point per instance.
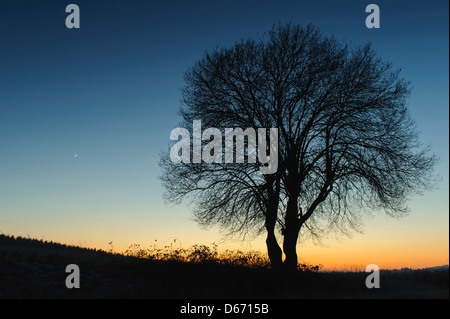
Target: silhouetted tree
(346, 142)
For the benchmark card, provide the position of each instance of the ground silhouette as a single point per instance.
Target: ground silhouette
(32, 268)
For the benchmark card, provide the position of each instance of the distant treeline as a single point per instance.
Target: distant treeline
(19, 241)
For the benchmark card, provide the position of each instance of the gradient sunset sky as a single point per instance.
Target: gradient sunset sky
(85, 114)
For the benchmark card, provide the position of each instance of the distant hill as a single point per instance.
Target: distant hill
(31, 268)
(30, 243)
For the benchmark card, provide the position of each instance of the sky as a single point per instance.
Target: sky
(85, 114)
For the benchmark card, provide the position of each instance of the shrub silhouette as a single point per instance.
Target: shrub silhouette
(206, 254)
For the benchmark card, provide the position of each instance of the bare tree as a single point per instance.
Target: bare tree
(347, 144)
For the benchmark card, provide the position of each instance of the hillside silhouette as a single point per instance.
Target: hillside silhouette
(31, 268)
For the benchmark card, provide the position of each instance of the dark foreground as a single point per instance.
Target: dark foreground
(32, 269)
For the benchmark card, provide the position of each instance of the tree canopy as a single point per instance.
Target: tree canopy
(346, 143)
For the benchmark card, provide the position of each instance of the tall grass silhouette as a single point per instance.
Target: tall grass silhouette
(200, 254)
(208, 254)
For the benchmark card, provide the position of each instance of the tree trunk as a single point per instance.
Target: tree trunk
(291, 233)
(273, 249)
(290, 249)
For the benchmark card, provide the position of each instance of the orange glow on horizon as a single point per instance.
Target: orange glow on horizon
(390, 244)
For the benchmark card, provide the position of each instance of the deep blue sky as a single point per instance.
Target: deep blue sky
(110, 93)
